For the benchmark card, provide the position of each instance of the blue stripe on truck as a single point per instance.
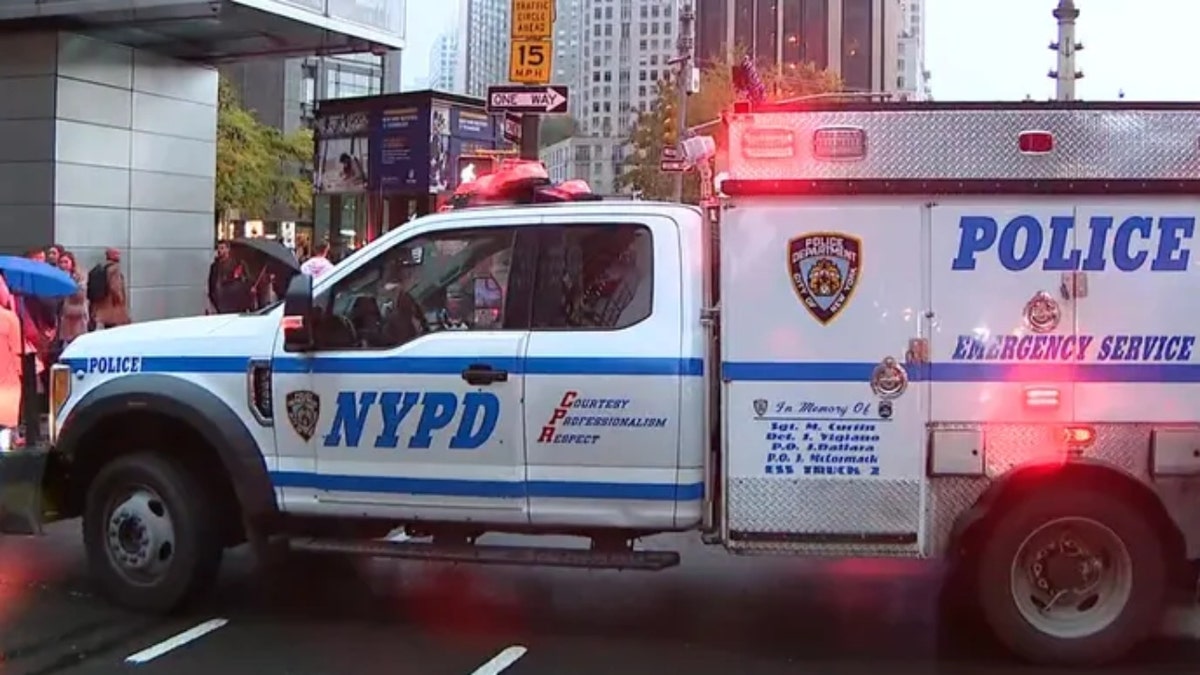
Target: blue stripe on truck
(496, 489)
(852, 371)
(426, 365)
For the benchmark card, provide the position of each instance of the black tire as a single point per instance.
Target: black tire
(197, 552)
(1136, 620)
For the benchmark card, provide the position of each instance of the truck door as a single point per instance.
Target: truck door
(1003, 341)
(824, 419)
(417, 380)
(1141, 366)
(603, 375)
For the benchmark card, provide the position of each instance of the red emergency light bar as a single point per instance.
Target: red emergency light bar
(518, 182)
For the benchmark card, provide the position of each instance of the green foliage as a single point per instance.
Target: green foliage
(641, 171)
(257, 165)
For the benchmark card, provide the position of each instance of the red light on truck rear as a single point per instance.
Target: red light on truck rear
(1035, 142)
(841, 142)
(1079, 437)
(768, 143)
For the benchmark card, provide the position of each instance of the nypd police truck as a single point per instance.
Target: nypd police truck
(919, 330)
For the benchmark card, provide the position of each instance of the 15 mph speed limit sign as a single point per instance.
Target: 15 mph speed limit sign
(530, 61)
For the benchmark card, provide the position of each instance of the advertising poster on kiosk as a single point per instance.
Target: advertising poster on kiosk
(342, 153)
(402, 157)
(441, 165)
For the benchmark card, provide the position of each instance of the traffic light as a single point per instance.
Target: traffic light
(471, 167)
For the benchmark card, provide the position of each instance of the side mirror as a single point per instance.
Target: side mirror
(298, 316)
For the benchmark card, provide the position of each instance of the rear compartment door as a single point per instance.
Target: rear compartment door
(824, 421)
(1141, 366)
(1003, 344)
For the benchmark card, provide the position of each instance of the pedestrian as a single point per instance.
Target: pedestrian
(319, 263)
(216, 271)
(230, 288)
(107, 294)
(39, 316)
(53, 253)
(73, 317)
(12, 346)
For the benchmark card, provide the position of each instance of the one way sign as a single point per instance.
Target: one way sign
(537, 100)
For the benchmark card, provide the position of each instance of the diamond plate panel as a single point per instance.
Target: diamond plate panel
(831, 506)
(1125, 447)
(982, 144)
(823, 506)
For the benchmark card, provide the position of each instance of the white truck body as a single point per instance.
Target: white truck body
(918, 319)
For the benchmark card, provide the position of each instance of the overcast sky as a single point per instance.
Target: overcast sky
(997, 49)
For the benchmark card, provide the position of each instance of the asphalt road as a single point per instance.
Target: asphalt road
(713, 615)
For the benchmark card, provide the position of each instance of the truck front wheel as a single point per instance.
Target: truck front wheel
(1072, 576)
(150, 532)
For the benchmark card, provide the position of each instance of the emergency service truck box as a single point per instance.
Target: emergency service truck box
(919, 299)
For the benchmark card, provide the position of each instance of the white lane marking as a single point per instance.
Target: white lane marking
(501, 661)
(176, 641)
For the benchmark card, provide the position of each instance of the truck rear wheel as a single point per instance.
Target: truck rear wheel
(151, 533)
(1071, 576)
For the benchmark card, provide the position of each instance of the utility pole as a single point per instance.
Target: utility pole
(686, 59)
(1065, 75)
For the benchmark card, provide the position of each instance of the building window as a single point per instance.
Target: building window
(743, 25)
(856, 44)
(815, 33)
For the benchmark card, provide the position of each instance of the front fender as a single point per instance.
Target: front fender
(185, 403)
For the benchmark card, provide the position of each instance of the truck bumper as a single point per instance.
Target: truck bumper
(22, 502)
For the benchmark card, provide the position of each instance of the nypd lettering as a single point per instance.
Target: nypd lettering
(1138, 242)
(473, 418)
(1143, 348)
(576, 420)
(113, 365)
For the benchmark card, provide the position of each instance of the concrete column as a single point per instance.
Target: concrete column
(102, 145)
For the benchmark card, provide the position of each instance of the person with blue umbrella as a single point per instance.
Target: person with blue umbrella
(32, 280)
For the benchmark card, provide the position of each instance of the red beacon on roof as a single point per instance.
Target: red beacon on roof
(518, 181)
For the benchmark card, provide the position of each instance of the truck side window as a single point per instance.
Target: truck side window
(455, 280)
(593, 277)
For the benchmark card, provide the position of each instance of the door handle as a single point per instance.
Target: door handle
(482, 373)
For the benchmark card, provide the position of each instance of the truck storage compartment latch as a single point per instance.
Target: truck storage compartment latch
(1074, 285)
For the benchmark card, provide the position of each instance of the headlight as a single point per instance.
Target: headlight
(60, 392)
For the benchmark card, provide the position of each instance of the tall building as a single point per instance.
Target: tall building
(858, 39)
(568, 64)
(626, 49)
(281, 92)
(444, 56)
(912, 79)
(626, 52)
(483, 27)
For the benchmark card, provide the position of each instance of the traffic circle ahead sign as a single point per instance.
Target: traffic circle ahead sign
(532, 19)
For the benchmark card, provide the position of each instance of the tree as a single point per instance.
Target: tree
(655, 126)
(258, 166)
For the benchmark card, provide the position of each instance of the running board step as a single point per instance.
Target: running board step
(494, 555)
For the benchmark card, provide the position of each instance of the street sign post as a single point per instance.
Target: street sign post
(531, 62)
(528, 100)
